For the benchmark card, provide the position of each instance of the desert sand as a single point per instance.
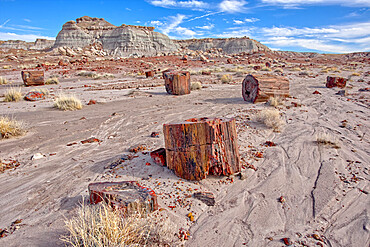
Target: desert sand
(313, 194)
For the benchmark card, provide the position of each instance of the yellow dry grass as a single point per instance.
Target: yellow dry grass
(52, 80)
(67, 103)
(11, 128)
(13, 94)
(100, 225)
(327, 139)
(271, 118)
(275, 101)
(226, 78)
(195, 85)
(3, 81)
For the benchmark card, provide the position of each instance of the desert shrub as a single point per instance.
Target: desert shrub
(271, 118)
(67, 103)
(11, 128)
(323, 138)
(226, 78)
(100, 225)
(7, 67)
(52, 80)
(44, 91)
(355, 74)
(275, 101)
(13, 94)
(3, 81)
(196, 85)
(94, 75)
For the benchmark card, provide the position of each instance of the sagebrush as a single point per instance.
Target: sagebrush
(271, 118)
(68, 103)
(13, 94)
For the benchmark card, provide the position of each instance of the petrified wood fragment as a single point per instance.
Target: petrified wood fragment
(332, 81)
(149, 73)
(159, 156)
(196, 148)
(177, 82)
(33, 77)
(259, 88)
(128, 196)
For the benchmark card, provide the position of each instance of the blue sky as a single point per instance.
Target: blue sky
(329, 26)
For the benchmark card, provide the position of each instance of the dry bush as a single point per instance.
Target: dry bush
(275, 101)
(3, 81)
(100, 225)
(68, 103)
(7, 67)
(13, 94)
(226, 78)
(327, 139)
(271, 118)
(95, 75)
(196, 85)
(52, 80)
(11, 128)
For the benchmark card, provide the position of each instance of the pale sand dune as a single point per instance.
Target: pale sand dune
(43, 192)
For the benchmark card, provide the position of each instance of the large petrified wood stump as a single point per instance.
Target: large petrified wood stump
(198, 147)
(259, 88)
(33, 77)
(128, 196)
(332, 81)
(177, 82)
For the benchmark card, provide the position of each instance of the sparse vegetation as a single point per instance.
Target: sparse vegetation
(196, 85)
(52, 80)
(226, 78)
(100, 225)
(278, 70)
(7, 67)
(274, 101)
(13, 94)
(44, 91)
(3, 81)
(355, 74)
(271, 118)
(296, 69)
(11, 128)
(68, 103)
(95, 75)
(327, 139)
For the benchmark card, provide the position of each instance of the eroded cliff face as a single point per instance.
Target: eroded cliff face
(119, 41)
(229, 46)
(39, 44)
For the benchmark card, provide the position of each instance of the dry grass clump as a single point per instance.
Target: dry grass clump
(13, 94)
(44, 91)
(100, 225)
(68, 103)
(52, 80)
(7, 67)
(226, 78)
(264, 68)
(296, 69)
(11, 128)
(95, 75)
(355, 74)
(195, 85)
(3, 81)
(271, 118)
(327, 139)
(275, 101)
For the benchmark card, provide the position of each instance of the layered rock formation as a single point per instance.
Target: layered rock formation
(229, 45)
(119, 41)
(39, 44)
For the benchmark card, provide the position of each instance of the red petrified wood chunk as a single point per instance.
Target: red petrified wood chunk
(159, 156)
(196, 148)
(34, 96)
(128, 196)
(259, 88)
(149, 73)
(177, 82)
(33, 77)
(336, 82)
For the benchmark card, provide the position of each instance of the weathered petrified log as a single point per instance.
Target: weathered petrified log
(177, 82)
(332, 81)
(33, 77)
(34, 96)
(259, 88)
(128, 196)
(159, 156)
(196, 148)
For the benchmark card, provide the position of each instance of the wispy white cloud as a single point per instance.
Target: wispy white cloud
(232, 6)
(238, 22)
(27, 20)
(179, 4)
(172, 27)
(251, 20)
(25, 37)
(207, 27)
(352, 3)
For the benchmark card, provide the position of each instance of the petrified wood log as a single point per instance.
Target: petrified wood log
(196, 148)
(332, 81)
(33, 77)
(128, 196)
(259, 88)
(177, 82)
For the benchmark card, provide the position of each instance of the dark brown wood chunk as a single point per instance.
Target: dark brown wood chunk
(33, 77)
(177, 82)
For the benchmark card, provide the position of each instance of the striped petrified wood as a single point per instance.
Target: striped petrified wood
(33, 77)
(196, 148)
(259, 88)
(128, 196)
(177, 82)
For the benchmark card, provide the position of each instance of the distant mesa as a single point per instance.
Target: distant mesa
(128, 40)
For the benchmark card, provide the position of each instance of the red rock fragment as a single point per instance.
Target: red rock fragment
(229, 61)
(34, 96)
(257, 67)
(336, 82)
(269, 144)
(316, 92)
(206, 72)
(90, 140)
(137, 149)
(149, 73)
(73, 143)
(159, 156)
(127, 196)
(287, 241)
(154, 134)
(92, 102)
